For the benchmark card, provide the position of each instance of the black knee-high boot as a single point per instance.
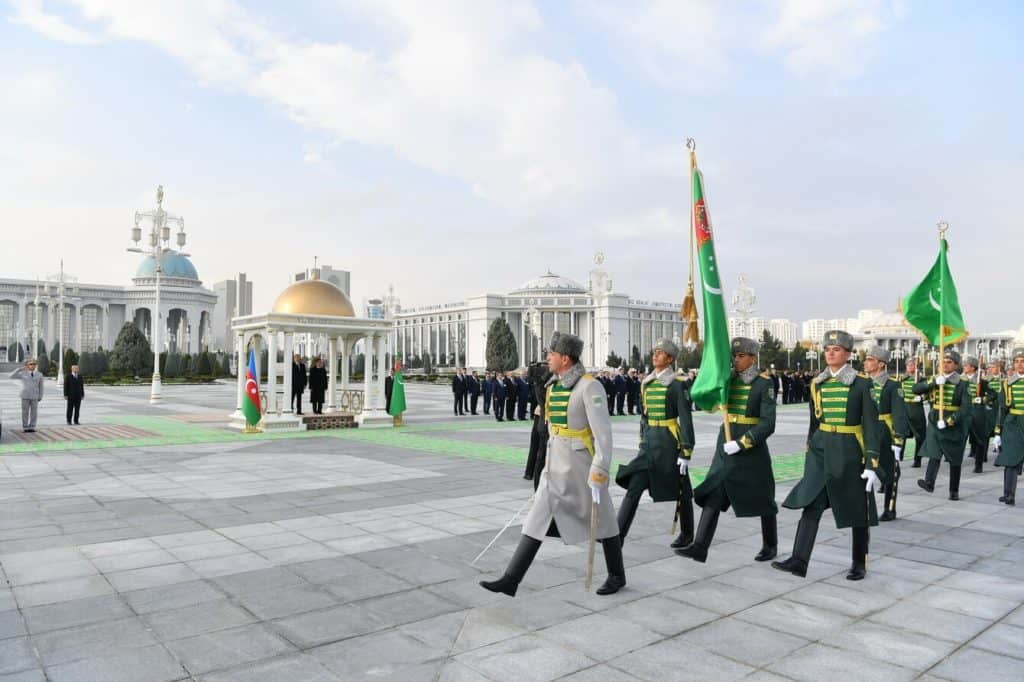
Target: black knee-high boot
(769, 538)
(698, 549)
(806, 531)
(1009, 486)
(685, 537)
(627, 511)
(931, 472)
(979, 450)
(860, 554)
(954, 482)
(521, 560)
(616, 569)
(891, 491)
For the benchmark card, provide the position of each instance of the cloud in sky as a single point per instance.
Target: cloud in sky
(499, 129)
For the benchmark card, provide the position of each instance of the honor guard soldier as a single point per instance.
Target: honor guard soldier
(840, 470)
(573, 490)
(983, 399)
(949, 421)
(994, 376)
(1009, 429)
(741, 472)
(892, 413)
(915, 409)
(661, 466)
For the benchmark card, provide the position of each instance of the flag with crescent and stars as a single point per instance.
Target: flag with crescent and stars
(251, 401)
(710, 391)
(933, 307)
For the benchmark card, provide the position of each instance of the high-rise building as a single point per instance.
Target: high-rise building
(234, 299)
(784, 330)
(339, 278)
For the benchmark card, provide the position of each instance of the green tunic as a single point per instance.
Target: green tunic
(983, 402)
(996, 385)
(655, 468)
(1010, 425)
(915, 408)
(895, 427)
(836, 458)
(950, 441)
(744, 480)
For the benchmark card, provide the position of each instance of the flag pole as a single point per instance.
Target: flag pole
(688, 312)
(943, 226)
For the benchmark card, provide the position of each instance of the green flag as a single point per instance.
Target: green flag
(397, 395)
(711, 388)
(933, 304)
(251, 400)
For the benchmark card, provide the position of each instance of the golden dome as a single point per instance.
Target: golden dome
(314, 297)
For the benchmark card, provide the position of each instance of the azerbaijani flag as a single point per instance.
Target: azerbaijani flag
(711, 388)
(397, 392)
(933, 307)
(251, 401)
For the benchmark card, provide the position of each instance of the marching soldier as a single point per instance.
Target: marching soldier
(1009, 429)
(895, 428)
(840, 470)
(576, 474)
(915, 409)
(982, 400)
(994, 375)
(661, 467)
(741, 471)
(949, 421)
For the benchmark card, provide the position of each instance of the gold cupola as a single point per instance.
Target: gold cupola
(314, 297)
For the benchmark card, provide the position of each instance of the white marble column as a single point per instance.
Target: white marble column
(77, 345)
(289, 341)
(272, 406)
(381, 373)
(104, 315)
(240, 351)
(367, 371)
(332, 373)
(346, 355)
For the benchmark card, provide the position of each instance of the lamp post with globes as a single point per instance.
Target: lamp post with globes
(897, 354)
(159, 240)
(59, 281)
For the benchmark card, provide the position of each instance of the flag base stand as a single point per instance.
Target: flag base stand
(270, 422)
(397, 420)
(252, 428)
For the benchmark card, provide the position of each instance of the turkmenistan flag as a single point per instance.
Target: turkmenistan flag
(711, 388)
(397, 393)
(251, 401)
(933, 307)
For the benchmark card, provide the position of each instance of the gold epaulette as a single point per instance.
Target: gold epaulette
(862, 375)
(588, 375)
(765, 375)
(679, 378)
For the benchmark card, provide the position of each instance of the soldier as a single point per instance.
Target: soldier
(982, 399)
(840, 470)
(1009, 429)
(994, 375)
(578, 461)
(915, 409)
(949, 421)
(666, 444)
(895, 428)
(741, 471)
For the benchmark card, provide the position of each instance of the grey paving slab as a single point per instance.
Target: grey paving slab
(16, 655)
(228, 648)
(197, 619)
(834, 597)
(821, 662)
(599, 636)
(75, 612)
(375, 655)
(743, 641)
(809, 622)
(971, 664)
(286, 601)
(147, 664)
(525, 658)
(171, 596)
(892, 645)
(660, 614)
(1002, 639)
(677, 659)
(288, 667)
(939, 623)
(330, 625)
(12, 624)
(977, 605)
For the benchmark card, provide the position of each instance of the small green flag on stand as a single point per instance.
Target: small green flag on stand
(397, 393)
(710, 389)
(933, 307)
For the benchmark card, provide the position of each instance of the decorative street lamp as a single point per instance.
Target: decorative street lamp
(897, 354)
(159, 238)
(812, 357)
(59, 279)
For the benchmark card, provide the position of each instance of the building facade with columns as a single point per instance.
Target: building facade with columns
(455, 334)
(93, 314)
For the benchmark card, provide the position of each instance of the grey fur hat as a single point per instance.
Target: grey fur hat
(1017, 353)
(741, 344)
(972, 361)
(952, 355)
(837, 337)
(566, 344)
(667, 346)
(878, 353)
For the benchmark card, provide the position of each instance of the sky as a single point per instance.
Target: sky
(456, 148)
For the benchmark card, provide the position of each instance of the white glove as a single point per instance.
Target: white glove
(873, 485)
(684, 466)
(732, 447)
(595, 493)
(897, 452)
(918, 399)
(941, 424)
(939, 380)
(998, 441)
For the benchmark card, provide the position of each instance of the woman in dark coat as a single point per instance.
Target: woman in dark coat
(317, 386)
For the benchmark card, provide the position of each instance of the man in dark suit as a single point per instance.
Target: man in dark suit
(609, 392)
(458, 390)
(474, 391)
(499, 396)
(299, 382)
(488, 391)
(465, 394)
(620, 391)
(389, 384)
(74, 391)
(522, 395)
(511, 393)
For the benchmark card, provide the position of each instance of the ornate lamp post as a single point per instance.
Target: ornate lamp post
(59, 279)
(897, 354)
(812, 357)
(535, 328)
(159, 238)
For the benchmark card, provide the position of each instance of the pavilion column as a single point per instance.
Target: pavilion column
(240, 350)
(367, 370)
(272, 405)
(289, 341)
(379, 402)
(105, 326)
(346, 355)
(332, 372)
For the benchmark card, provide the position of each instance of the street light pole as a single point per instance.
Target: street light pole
(159, 238)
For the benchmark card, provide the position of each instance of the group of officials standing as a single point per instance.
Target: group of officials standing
(859, 425)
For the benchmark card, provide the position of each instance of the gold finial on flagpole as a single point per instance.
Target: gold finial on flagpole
(943, 228)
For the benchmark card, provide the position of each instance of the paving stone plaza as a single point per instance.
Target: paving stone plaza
(153, 543)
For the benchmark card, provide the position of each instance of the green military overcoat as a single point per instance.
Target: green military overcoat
(895, 427)
(1010, 425)
(950, 441)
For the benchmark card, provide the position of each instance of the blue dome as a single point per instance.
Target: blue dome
(174, 265)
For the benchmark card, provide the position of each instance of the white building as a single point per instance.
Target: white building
(785, 331)
(607, 321)
(234, 299)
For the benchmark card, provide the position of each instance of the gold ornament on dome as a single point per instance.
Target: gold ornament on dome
(314, 297)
